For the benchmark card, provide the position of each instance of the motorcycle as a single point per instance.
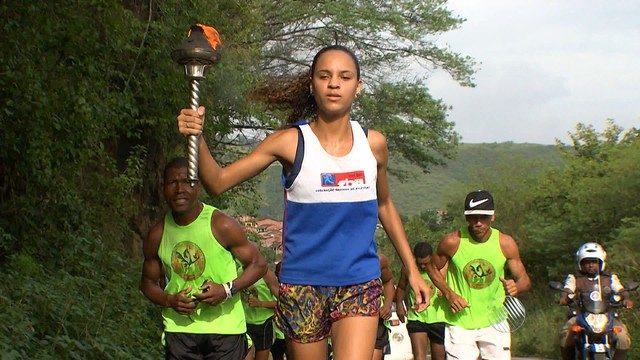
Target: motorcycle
(594, 326)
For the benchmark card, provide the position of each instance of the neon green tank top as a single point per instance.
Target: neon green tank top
(435, 312)
(257, 315)
(385, 322)
(191, 255)
(277, 331)
(474, 273)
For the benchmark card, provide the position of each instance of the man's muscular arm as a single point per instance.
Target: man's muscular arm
(438, 260)
(522, 282)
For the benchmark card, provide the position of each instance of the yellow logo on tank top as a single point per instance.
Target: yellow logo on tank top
(479, 273)
(187, 260)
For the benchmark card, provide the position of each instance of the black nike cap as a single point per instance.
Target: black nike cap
(479, 202)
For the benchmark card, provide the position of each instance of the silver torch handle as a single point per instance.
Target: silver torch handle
(192, 145)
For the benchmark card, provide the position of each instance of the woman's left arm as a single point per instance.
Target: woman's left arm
(391, 222)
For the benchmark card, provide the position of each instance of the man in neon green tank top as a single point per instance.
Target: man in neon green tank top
(424, 327)
(476, 256)
(193, 249)
(259, 302)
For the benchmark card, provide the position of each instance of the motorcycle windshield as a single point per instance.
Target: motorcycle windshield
(592, 302)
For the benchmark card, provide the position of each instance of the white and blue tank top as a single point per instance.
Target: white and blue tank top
(330, 214)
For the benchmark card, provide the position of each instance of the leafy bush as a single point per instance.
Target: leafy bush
(54, 314)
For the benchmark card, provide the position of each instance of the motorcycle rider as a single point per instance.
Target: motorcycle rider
(591, 264)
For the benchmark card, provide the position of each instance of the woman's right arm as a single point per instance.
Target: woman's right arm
(401, 295)
(278, 146)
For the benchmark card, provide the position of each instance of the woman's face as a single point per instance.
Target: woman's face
(335, 83)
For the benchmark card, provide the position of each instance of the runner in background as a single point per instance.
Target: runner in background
(427, 327)
(190, 271)
(259, 302)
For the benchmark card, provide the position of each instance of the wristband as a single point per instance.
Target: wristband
(232, 288)
(227, 289)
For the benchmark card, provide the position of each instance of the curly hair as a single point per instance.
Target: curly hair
(289, 93)
(292, 94)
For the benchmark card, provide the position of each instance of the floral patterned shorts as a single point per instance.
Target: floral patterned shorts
(305, 312)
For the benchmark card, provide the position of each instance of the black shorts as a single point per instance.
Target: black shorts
(262, 335)
(278, 349)
(435, 331)
(208, 346)
(382, 337)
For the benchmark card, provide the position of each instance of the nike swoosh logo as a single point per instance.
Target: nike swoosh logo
(473, 204)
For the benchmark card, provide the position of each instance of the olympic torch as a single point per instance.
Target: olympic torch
(197, 53)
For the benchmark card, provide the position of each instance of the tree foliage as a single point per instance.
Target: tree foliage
(590, 199)
(552, 208)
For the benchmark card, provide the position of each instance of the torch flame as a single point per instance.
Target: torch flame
(211, 34)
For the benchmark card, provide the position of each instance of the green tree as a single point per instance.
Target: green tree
(387, 36)
(590, 199)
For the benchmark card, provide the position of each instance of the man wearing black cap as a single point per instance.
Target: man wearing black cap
(476, 256)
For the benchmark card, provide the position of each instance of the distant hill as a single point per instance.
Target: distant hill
(417, 190)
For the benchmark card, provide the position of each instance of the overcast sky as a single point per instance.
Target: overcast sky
(544, 67)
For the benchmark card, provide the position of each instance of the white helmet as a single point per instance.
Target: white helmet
(591, 250)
